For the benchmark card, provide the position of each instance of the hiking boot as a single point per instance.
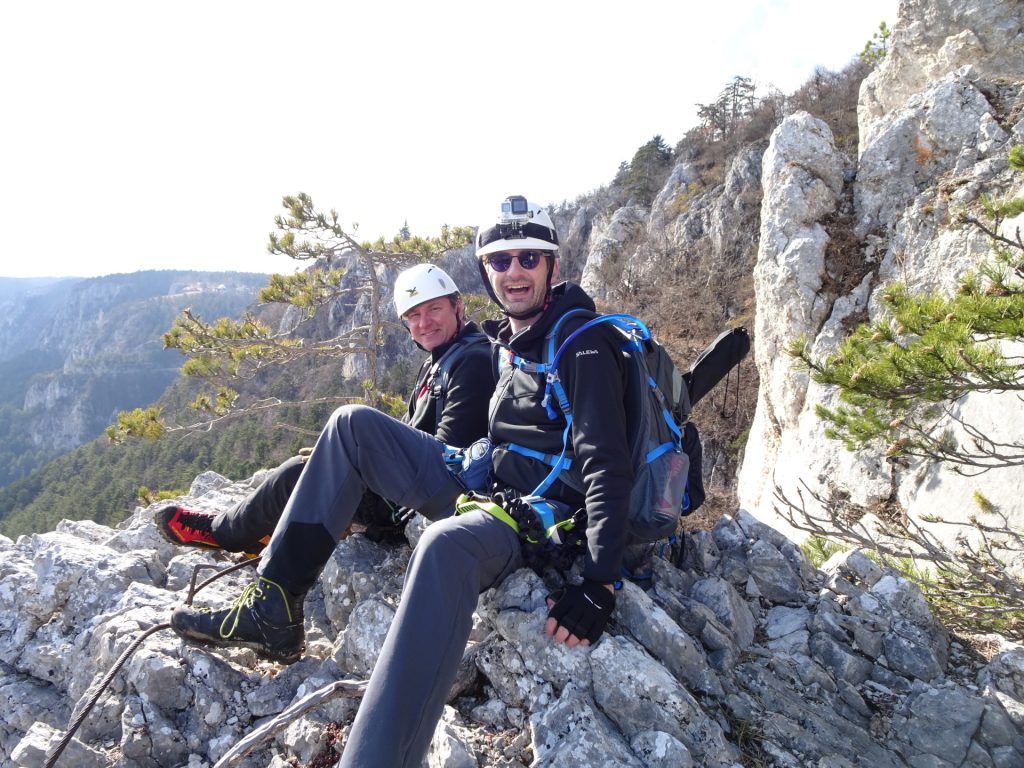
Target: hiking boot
(187, 527)
(193, 528)
(265, 617)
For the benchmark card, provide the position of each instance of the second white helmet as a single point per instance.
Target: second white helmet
(421, 283)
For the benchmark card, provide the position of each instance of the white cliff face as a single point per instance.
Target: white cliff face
(950, 127)
(609, 238)
(934, 136)
(686, 228)
(802, 176)
(933, 38)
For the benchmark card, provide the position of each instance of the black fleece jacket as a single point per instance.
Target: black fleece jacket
(470, 384)
(594, 375)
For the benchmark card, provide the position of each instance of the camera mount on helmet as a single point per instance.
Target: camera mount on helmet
(515, 213)
(515, 207)
(520, 224)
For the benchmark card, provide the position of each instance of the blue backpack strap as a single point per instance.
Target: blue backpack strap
(553, 383)
(560, 464)
(636, 332)
(548, 458)
(633, 328)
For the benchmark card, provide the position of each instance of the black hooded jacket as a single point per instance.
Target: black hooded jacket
(469, 387)
(593, 372)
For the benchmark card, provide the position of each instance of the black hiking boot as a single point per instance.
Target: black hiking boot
(265, 617)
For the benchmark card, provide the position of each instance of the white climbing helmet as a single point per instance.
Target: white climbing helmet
(520, 225)
(421, 283)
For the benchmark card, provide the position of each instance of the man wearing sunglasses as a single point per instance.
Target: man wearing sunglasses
(457, 557)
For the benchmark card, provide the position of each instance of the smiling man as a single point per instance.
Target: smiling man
(449, 401)
(461, 556)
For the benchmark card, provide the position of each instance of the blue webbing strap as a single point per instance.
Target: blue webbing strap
(557, 469)
(654, 453)
(548, 458)
(631, 327)
(665, 414)
(525, 365)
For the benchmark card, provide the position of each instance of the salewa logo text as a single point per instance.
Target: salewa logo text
(586, 352)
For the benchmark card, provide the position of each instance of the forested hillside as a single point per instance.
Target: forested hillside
(102, 482)
(73, 352)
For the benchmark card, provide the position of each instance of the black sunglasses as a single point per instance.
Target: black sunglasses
(500, 262)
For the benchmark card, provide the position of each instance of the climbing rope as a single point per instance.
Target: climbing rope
(91, 696)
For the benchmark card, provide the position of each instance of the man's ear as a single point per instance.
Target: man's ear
(554, 267)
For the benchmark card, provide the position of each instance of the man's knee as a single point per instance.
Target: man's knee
(353, 419)
(463, 544)
(347, 413)
(449, 544)
(439, 538)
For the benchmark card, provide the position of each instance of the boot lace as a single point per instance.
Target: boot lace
(244, 601)
(196, 521)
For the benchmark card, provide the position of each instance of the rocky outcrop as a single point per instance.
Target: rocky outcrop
(609, 241)
(739, 646)
(938, 118)
(932, 39)
(691, 224)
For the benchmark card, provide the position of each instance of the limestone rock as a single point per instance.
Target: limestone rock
(937, 119)
(855, 658)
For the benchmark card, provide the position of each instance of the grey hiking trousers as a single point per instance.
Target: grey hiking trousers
(359, 449)
(455, 560)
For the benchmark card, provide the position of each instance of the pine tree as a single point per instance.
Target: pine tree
(900, 376)
(224, 352)
(647, 170)
(735, 103)
(876, 48)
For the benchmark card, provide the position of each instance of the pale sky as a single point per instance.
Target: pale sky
(137, 135)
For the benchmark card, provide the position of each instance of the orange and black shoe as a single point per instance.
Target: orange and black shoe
(187, 527)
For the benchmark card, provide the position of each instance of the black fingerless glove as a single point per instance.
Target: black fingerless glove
(583, 609)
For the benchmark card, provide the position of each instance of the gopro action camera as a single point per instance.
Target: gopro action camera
(515, 208)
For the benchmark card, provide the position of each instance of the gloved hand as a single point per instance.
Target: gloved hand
(581, 610)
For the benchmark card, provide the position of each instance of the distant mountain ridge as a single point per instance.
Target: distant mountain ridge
(75, 351)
